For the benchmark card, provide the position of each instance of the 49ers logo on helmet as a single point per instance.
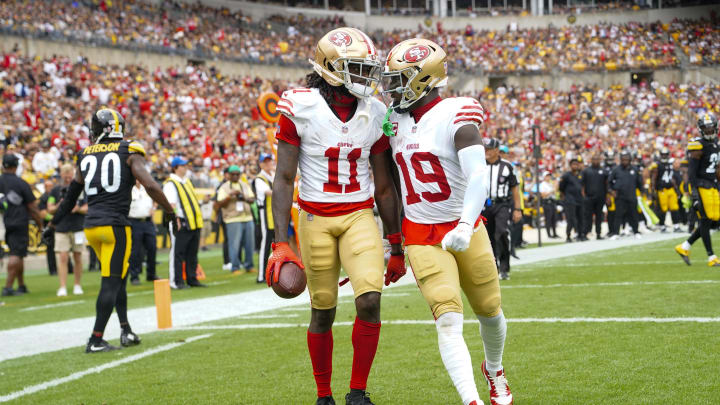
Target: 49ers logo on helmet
(416, 53)
(341, 38)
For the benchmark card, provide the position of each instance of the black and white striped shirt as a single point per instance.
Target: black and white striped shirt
(501, 178)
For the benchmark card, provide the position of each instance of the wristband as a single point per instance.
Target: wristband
(395, 238)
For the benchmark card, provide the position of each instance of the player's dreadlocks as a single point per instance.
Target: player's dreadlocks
(314, 80)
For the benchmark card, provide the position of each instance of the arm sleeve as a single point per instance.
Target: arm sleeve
(68, 202)
(472, 162)
(287, 131)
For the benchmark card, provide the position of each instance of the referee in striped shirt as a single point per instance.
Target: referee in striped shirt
(503, 205)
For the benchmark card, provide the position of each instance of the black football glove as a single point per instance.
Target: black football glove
(697, 203)
(172, 222)
(48, 235)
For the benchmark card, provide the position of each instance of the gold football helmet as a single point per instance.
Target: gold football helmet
(413, 68)
(347, 57)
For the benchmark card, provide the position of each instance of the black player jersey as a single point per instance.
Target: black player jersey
(665, 176)
(108, 181)
(709, 159)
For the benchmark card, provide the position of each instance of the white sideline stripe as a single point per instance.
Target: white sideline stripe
(141, 293)
(431, 322)
(294, 309)
(621, 283)
(59, 304)
(94, 370)
(268, 316)
(74, 332)
(573, 264)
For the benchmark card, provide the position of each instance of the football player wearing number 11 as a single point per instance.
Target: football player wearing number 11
(439, 153)
(331, 131)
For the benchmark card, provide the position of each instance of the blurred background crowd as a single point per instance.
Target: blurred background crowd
(201, 31)
(213, 121)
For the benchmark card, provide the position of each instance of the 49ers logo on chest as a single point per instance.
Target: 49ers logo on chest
(341, 38)
(416, 53)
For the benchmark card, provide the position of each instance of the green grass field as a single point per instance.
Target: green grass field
(562, 348)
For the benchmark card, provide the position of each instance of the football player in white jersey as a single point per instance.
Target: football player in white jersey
(331, 130)
(437, 147)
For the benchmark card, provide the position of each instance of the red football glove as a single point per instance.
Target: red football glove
(281, 254)
(395, 268)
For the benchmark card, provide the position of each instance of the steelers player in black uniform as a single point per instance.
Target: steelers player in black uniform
(107, 172)
(609, 199)
(665, 188)
(703, 154)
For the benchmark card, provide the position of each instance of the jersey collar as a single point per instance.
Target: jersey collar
(420, 111)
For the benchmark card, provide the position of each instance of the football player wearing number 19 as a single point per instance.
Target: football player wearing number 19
(438, 149)
(331, 131)
(108, 170)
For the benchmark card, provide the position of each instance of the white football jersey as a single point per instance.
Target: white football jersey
(433, 184)
(334, 155)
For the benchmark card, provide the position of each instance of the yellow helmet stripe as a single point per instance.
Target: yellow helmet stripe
(117, 121)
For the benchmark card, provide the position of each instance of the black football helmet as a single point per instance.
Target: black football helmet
(609, 156)
(708, 126)
(664, 155)
(106, 124)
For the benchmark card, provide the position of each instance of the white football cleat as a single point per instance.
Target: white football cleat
(499, 390)
(227, 266)
(77, 290)
(62, 292)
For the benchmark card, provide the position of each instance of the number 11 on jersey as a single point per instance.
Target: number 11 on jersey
(333, 185)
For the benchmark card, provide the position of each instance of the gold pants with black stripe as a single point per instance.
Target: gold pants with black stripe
(112, 245)
(710, 203)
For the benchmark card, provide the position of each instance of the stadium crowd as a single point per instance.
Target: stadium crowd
(212, 120)
(511, 7)
(194, 112)
(202, 31)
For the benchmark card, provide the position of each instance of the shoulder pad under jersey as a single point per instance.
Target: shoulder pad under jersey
(465, 109)
(299, 103)
(136, 147)
(695, 144)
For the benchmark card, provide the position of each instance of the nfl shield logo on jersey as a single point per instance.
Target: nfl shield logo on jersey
(344, 129)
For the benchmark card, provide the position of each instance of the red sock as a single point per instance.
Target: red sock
(320, 346)
(365, 338)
